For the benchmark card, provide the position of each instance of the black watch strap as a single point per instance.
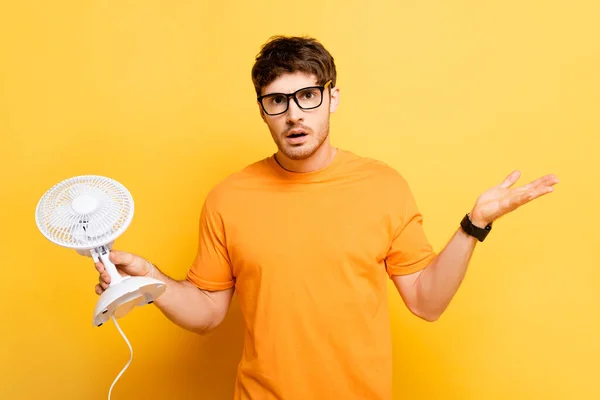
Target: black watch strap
(475, 231)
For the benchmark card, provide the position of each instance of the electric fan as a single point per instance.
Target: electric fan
(87, 213)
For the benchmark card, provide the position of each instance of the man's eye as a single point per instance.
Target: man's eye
(307, 94)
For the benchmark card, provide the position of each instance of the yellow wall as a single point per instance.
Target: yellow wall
(158, 96)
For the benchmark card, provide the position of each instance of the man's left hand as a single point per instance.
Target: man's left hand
(502, 199)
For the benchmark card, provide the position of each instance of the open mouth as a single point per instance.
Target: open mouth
(296, 133)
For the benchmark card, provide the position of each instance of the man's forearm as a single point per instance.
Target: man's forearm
(189, 307)
(438, 283)
(427, 293)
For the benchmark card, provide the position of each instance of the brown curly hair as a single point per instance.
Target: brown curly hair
(290, 54)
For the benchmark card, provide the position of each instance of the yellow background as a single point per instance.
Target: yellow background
(158, 95)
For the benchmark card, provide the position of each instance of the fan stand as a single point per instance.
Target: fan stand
(124, 292)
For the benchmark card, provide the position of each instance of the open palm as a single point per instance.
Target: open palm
(503, 198)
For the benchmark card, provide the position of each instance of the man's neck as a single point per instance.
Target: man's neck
(319, 160)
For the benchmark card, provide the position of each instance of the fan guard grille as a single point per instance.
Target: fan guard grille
(84, 212)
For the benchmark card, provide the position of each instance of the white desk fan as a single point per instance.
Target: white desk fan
(87, 213)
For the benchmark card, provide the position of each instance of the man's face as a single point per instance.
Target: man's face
(299, 133)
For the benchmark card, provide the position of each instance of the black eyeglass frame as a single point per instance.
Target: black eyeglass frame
(293, 95)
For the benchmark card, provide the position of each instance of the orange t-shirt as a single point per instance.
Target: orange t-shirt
(309, 255)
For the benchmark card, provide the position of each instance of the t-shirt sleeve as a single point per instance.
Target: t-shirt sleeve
(211, 269)
(410, 250)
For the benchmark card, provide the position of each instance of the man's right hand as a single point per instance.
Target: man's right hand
(126, 264)
(183, 303)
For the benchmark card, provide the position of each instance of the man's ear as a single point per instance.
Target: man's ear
(334, 99)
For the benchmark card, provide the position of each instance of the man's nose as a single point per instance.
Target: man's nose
(294, 113)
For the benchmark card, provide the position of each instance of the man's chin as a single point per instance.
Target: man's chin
(297, 155)
(298, 152)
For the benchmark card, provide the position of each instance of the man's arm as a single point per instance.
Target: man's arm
(182, 302)
(193, 309)
(428, 293)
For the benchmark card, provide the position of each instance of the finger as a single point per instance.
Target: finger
(525, 196)
(104, 277)
(541, 191)
(98, 289)
(104, 285)
(100, 267)
(510, 179)
(544, 181)
(549, 180)
(121, 258)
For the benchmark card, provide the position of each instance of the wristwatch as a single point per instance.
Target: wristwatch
(475, 231)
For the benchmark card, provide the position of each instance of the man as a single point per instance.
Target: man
(308, 238)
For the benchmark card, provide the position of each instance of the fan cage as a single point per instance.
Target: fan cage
(63, 225)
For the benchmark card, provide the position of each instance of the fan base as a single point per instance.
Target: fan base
(119, 299)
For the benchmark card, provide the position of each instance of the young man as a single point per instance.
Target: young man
(308, 238)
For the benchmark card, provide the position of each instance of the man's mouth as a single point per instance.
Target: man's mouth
(296, 133)
(296, 136)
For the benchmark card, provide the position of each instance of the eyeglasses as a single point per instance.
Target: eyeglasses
(306, 98)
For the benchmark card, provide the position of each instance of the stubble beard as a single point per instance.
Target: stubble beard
(306, 150)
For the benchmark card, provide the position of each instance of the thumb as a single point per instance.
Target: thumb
(129, 263)
(121, 258)
(510, 179)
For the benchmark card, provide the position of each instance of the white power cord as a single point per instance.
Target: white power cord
(130, 356)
